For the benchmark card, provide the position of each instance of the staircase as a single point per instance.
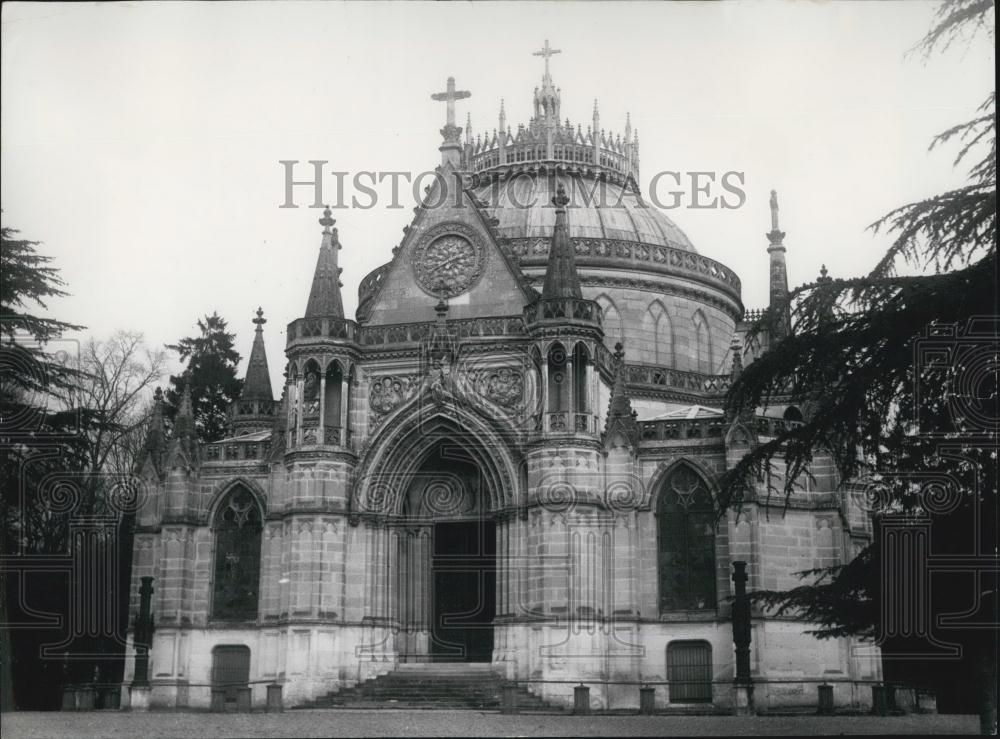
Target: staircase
(462, 685)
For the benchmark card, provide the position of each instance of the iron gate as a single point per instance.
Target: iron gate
(231, 668)
(689, 666)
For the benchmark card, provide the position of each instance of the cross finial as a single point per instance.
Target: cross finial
(260, 320)
(327, 220)
(546, 52)
(449, 96)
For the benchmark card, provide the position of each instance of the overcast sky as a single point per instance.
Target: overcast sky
(140, 142)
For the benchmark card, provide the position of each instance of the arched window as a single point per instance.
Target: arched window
(333, 402)
(614, 329)
(686, 543)
(558, 382)
(702, 344)
(237, 557)
(656, 326)
(580, 361)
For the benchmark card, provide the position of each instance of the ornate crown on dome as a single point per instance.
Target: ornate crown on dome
(548, 143)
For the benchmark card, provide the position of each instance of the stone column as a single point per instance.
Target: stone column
(299, 407)
(545, 391)
(345, 392)
(569, 381)
(321, 435)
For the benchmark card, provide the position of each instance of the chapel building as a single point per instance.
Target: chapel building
(509, 457)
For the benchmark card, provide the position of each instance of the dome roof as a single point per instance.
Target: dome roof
(598, 209)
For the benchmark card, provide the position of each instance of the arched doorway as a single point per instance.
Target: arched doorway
(448, 561)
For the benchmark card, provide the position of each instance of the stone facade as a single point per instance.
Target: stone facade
(504, 415)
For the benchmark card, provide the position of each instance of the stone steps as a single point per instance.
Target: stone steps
(430, 686)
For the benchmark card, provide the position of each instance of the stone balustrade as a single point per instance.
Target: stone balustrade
(313, 330)
(631, 255)
(564, 311)
(236, 451)
(566, 422)
(642, 375)
(715, 427)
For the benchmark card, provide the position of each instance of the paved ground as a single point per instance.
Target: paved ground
(341, 723)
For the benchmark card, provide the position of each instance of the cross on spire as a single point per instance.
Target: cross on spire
(546, 52)
(450, 95)
(260, 320)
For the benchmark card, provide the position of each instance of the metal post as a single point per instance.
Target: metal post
(243, 699)
(85, 698)
(743, 683)
(143, 634)
(647, 700)
(879, 707)
(69, 698)
(274, 704)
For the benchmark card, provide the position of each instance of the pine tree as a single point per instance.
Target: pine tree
(887, 413)
(211, 372)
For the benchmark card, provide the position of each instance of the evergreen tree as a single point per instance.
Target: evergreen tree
(40, 441)
(211, 372)
(897, 417)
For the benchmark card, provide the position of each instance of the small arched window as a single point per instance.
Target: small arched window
(686, 543)
(702, 344)
(614, 329)
(238, 527)
(657, 330)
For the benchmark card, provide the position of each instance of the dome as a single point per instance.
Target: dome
(598, 209)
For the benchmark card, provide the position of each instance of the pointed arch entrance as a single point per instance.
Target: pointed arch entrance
(446, 500)
(441, 488)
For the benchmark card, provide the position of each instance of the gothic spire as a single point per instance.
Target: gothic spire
(778, 274)
(257, 385)
(156, 435)
(620, 412)
(185, 432)
(324, 297)
(561, 279)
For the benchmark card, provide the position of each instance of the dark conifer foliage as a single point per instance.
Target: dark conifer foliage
(211, 371)
(897, 418)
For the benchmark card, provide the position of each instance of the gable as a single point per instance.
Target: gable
(450, 250)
